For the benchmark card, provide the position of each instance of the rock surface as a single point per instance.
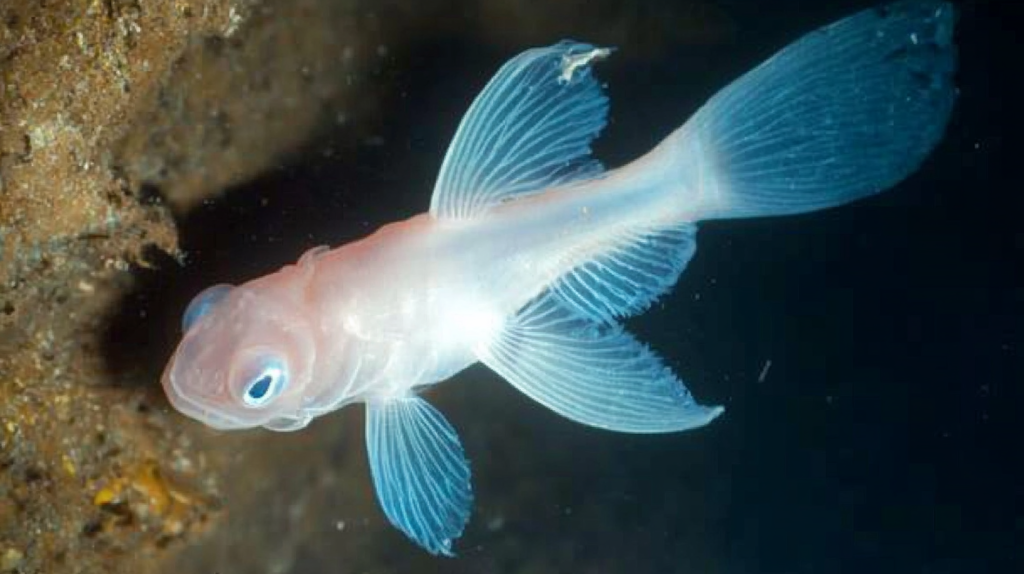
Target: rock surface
(118, 118)
(113, 115)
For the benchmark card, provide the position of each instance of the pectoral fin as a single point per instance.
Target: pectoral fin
(419, 471)
(529, 129)
(637, 268)
(592, 373)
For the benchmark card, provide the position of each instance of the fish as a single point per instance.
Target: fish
(532, 253)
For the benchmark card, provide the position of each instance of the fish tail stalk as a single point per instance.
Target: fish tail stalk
(845, 112)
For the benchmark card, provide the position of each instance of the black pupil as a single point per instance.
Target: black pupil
(259, 389)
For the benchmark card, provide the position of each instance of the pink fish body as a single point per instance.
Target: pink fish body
(410, 305)
(531, 252)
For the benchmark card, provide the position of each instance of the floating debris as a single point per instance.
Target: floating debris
(764, 371)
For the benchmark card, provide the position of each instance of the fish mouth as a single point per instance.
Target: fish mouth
(288, 423)
(210, 417)
(200, 410)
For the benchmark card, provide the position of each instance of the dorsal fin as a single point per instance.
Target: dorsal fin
(528, 130)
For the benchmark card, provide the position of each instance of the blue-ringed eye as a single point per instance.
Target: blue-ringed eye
(202, 303)
(265, 385)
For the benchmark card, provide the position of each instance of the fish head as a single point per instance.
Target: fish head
(244, 360)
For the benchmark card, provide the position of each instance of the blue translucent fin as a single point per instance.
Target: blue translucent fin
(845, 112)
(203, 303)
(592, 373)
(630, 275)
(529, 129)
(419, 471)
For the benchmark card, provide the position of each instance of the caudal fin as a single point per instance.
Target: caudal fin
(845, 112)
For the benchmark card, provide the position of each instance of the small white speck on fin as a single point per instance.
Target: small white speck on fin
(572, 62)
(529, 130)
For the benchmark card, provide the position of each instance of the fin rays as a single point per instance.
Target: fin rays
(528, 130)
(844, 112)
(629, 277)
(419, 471)
(595, 374)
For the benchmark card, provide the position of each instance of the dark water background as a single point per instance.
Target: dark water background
(885, 436)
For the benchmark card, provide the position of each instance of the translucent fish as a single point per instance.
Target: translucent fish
(532, 253)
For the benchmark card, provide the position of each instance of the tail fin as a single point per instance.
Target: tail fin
(845, 112)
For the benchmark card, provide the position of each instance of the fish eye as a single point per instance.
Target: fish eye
(265, 385)
(202, 303)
